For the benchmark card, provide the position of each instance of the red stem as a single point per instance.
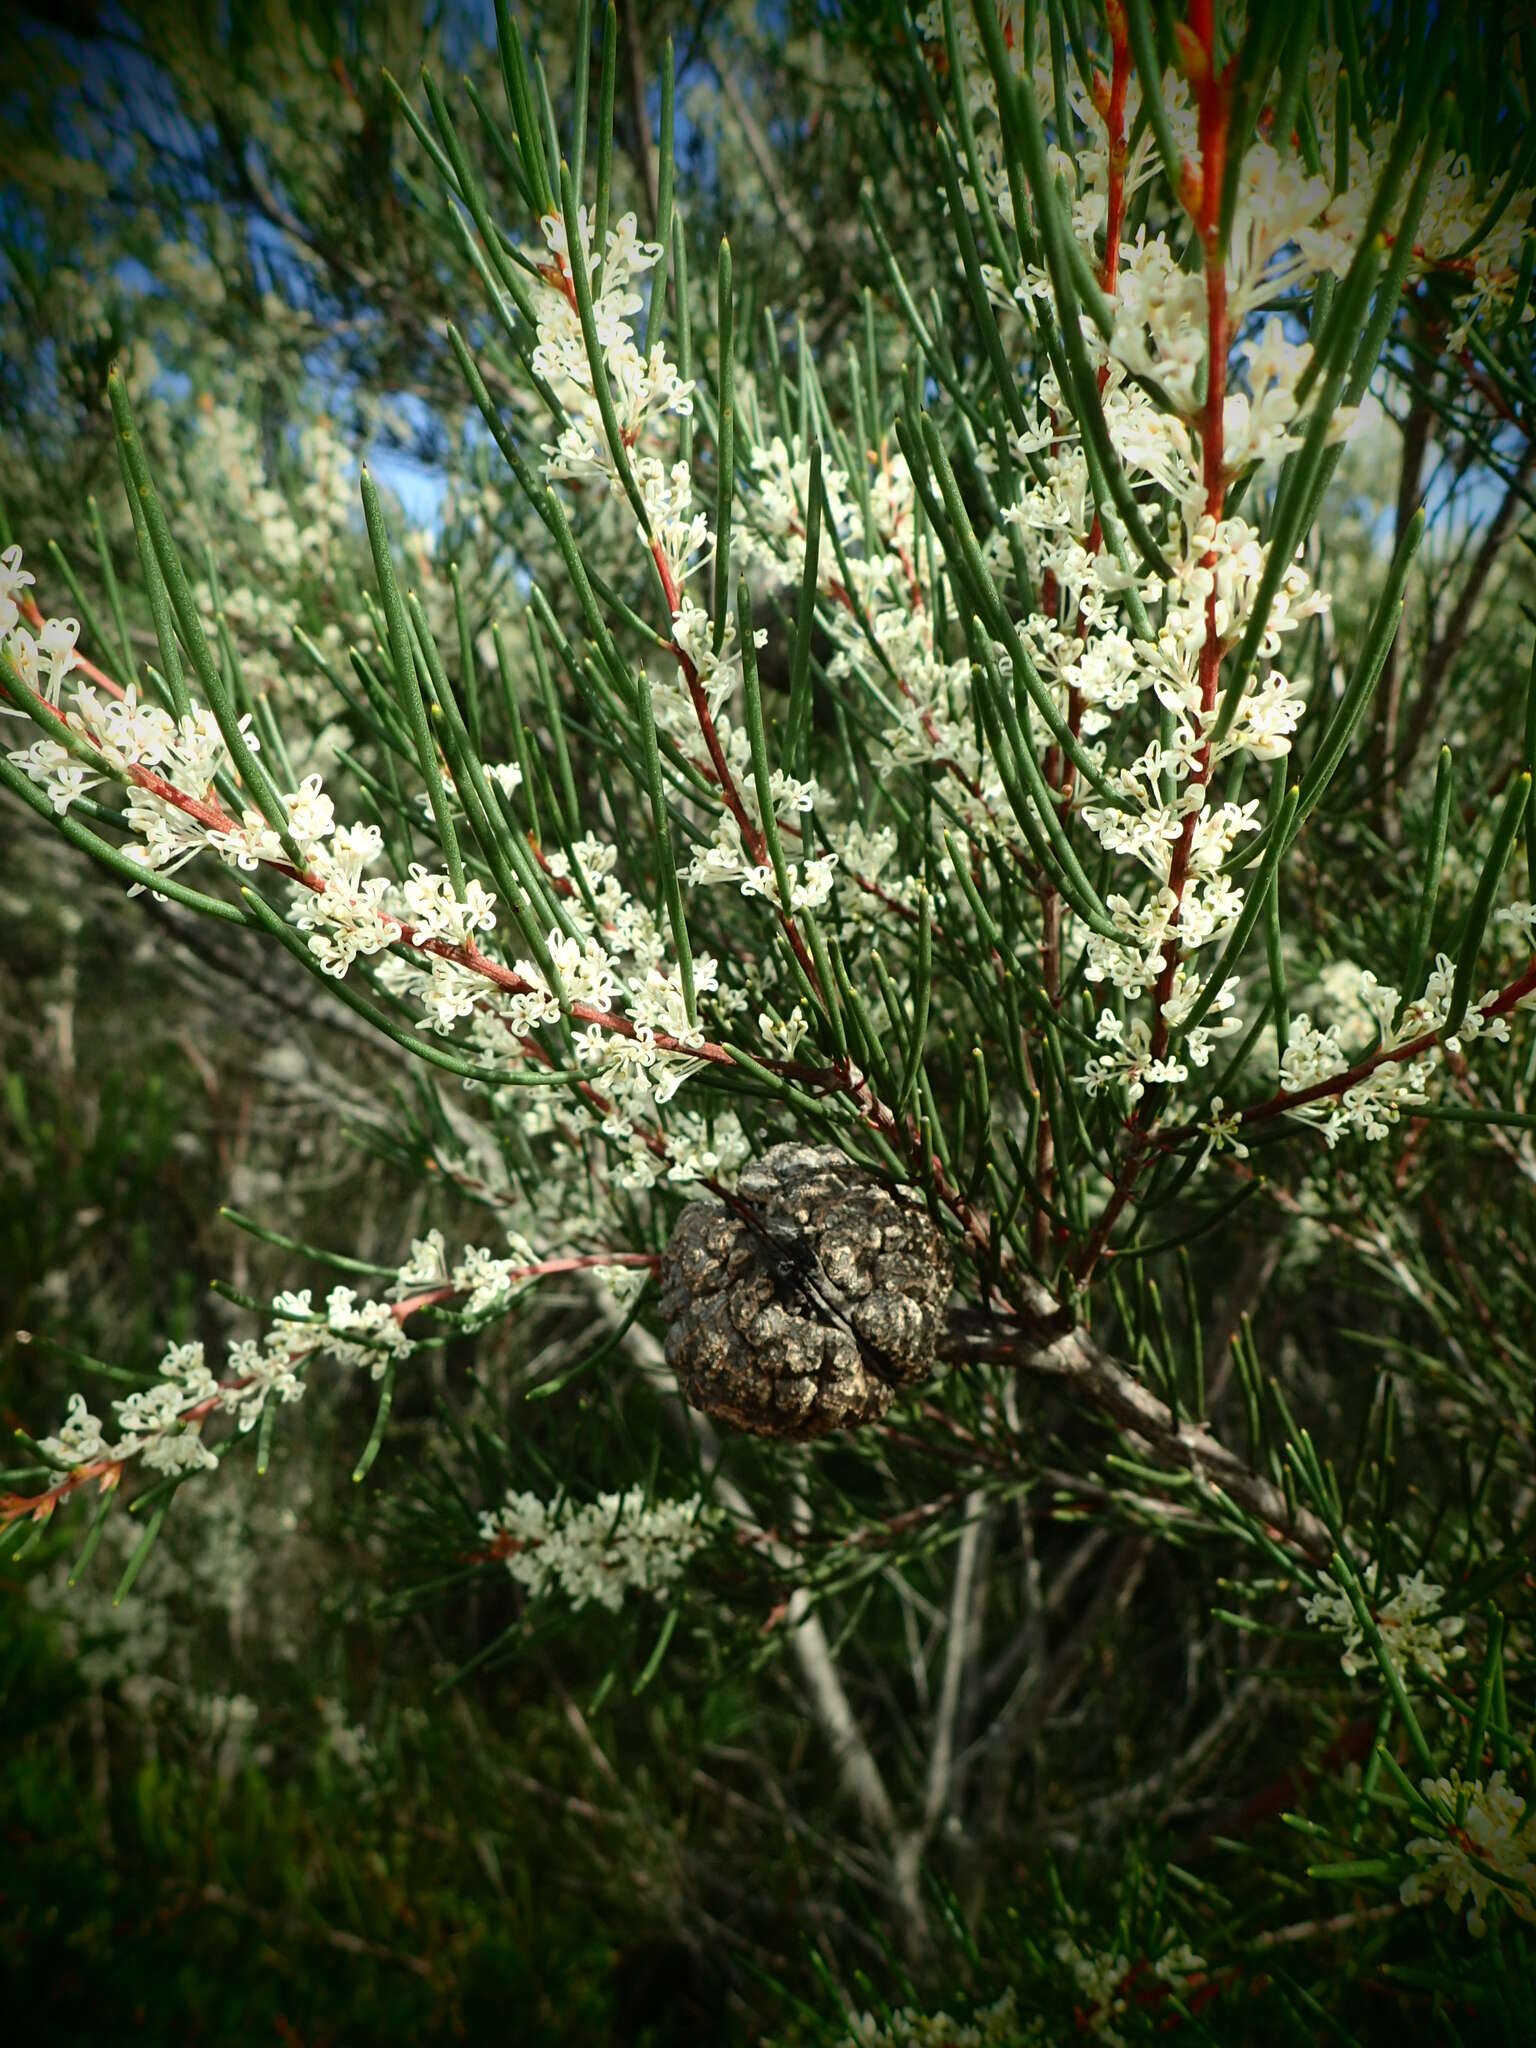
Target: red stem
(1202, 194)
(1278, 1104)
(1120, 78)
(110, 1470)
(751, 838)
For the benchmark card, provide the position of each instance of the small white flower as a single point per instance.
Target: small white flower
(1414, 1634)
(598, 1552)
(1483, 1849)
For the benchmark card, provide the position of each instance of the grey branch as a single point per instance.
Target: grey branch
(644, 150)
(826, 1696)
(1179, 1443)
(762, 155)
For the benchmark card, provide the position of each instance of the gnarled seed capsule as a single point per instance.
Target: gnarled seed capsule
(808, 1304)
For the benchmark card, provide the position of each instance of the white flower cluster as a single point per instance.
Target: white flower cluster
(188, 755)
(364, 1335)
(346, 1740)
(121, 733)
(1289, 224)
(865, 857)
(1103, 670)
(643, 387)
(1414, 1633)
(931, 718)
(1130, 1060)
(1484, 282)
(348, 914)
(994, 2026)
(774, 542)
(43, 663)
(486, 1280)
(1159, 811)
(725, 859)
(1224, 1131)
(615, 957)
(646, 389)
(162, 1423)
(1105, 1982)
(718, 672)
(600, 1551)
(1374, 1103)
(1087, 167)
(1483, 1849)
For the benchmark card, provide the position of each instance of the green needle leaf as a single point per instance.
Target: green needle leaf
(798, 727)
(408, 685)
(1434, 866)
(1482, 900)
(666, 178)
(725, 453)
(606, 86)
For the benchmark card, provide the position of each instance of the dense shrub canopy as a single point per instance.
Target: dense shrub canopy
(821, 722)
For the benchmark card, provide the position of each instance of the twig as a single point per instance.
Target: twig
(644, 152)
(762, 155)
(828, 1701)
(1181, 1443)
(295, 1926)
(1444, 649)
(1316, 1930)
(1410, 496)
(943, 1771)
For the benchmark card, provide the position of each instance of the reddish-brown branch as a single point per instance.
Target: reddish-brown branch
(1045, 1139)
(431, 1297)
(755, 845)
(39, 1506)
(1114, 121)
(751, 838)
(587, 1262)
(1201, 193)
(1283, 1101)
(110, 1471)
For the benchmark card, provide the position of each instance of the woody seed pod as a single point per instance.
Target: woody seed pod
(811, 1302)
